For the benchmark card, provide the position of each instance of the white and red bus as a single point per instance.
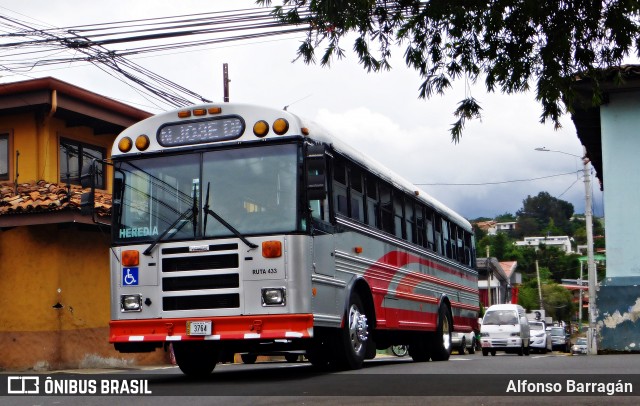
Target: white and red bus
(243, 229)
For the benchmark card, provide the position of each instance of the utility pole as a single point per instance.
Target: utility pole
(592, 338)
(225, 81)
(539, 287)
(489, 277)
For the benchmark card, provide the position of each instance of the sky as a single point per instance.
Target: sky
(489, 172)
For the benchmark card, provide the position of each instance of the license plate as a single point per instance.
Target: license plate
(199, 328)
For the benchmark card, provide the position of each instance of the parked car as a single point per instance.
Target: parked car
(540, 337)
(505, 328)
(560, 339)
(580, 347)
(463, 342)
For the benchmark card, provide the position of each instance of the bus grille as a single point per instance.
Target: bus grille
(200, 263)
(201, 302)
(200, 281)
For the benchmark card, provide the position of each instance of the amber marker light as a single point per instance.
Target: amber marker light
(261, 128)
(199, 112)
(304, 130)
(272, 249)
(215, 110)
(357, 250)
(142, 142)
(125, 144)
(130, 258)
(280, 126)
(184, 113)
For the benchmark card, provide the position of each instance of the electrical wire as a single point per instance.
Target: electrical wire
(495, 183)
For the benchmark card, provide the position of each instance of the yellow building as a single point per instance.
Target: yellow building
(54, 262)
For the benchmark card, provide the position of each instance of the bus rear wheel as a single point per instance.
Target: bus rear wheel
(354, 336)
(441, 344)
(196, 359)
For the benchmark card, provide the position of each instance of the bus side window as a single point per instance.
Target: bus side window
(446, 239)
(398, 213)
(372, 201)
(438, 234)
(410, 221)
(428, 216)
(420, 226)
(386, 208)
(357, 198)
(340, 188)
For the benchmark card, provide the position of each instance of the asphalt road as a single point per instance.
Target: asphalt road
(464, 380)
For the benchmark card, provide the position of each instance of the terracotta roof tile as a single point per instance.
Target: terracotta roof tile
(43, 196)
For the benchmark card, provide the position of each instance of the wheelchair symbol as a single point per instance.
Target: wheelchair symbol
(130, 277)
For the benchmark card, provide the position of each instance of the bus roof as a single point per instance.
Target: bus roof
(252, 114)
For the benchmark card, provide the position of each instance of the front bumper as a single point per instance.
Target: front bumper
(259, 327)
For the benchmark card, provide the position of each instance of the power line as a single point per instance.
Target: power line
(495, 183)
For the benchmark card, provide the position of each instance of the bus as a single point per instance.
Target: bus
(245, 229)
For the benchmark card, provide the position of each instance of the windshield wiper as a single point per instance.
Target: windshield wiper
(228, 226)
(191, 214)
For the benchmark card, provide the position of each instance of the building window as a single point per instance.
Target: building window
(75, 160)
(4, 156)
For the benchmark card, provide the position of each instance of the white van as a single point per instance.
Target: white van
(505, 328)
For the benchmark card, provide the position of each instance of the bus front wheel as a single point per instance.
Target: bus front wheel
(196, 359)
(354, 336)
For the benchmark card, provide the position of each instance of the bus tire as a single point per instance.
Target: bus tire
(196, 359)
(441, 344)
(352, 340)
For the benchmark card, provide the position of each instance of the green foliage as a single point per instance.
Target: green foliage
(544, 215)
(505, 218)
(510, 43)
(558, 301)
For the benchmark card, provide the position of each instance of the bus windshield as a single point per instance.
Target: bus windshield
(252, 189)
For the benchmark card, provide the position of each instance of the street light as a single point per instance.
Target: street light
(591, 266)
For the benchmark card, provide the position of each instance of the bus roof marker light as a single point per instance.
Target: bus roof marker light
(199, 112)
(280, 126)
(304, 131)
(215, 110)
(142, 142)
(125, 144)
(271, 249)
(261, 128)
(184, 114)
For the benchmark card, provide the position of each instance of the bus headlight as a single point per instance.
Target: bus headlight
(273, 296)
(130, 303)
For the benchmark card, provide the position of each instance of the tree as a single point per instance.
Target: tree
(512, 44)
(505, 218)
(548, 213)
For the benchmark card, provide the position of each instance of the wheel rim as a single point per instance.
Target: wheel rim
(446, 333)
(358, 329)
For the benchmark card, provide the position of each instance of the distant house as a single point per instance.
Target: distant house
(506, 227)
(562, 242)
(497, 281)
(54, 261)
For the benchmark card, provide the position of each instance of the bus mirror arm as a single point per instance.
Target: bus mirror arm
(228, 226)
